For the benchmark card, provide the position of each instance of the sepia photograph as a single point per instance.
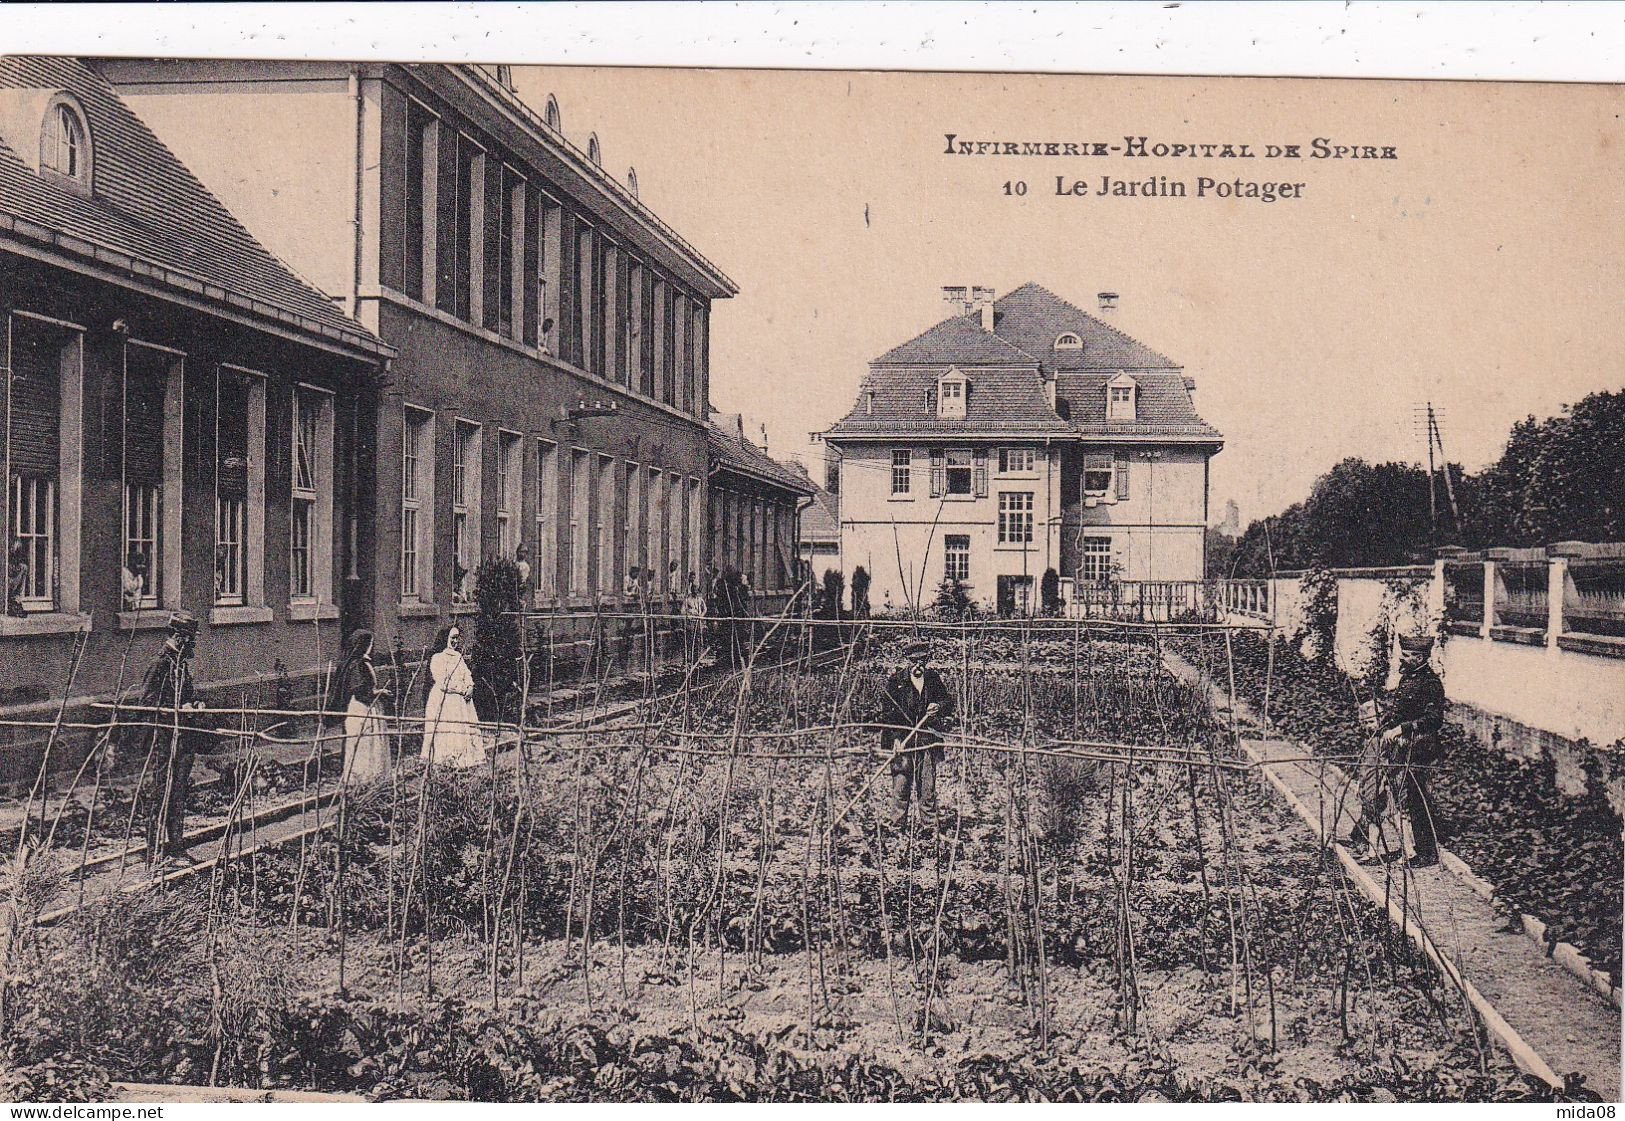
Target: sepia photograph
(623, 583)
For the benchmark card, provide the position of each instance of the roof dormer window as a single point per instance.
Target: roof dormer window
(952, 391)
(1066, 340)
(1120, 394)
(65, 155)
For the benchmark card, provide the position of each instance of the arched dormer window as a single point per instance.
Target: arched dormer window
(550, 115)
(632, 181)
(594, 153)
(1066, 340)
(1120, 394)
(953, 390)
(65, 152)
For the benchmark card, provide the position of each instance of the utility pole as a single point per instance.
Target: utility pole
(1427, 417)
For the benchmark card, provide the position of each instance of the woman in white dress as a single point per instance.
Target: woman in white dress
(451, 734)
(366, 735)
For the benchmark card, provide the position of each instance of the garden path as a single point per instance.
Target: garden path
(1545, 1015)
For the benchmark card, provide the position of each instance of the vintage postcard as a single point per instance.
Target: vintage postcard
(571, 584)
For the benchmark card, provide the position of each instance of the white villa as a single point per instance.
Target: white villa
(1018, 435)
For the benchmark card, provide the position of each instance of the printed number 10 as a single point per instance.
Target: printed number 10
(1015, 187)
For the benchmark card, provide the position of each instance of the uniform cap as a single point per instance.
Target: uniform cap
(183, 622)
(1416, 643)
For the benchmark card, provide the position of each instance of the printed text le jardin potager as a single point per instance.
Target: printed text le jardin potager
(1217, 185)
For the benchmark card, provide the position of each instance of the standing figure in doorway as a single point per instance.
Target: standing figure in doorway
(366, 738)
(451, 733)
(913, 703)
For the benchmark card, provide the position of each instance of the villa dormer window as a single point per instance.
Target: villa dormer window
(1068, 341)
(1120, 395)
(65, 154)
(952, 391)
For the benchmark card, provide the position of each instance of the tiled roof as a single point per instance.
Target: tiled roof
(1162, 406)
(959, 341)
(1026, 323)
(148, 207)
(997, 401)
(821, 521)
(730, 452)
(1031, 317)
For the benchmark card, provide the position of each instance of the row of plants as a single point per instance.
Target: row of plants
(1547, 853)
(1041, 867)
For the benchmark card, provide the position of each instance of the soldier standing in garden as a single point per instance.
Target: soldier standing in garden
(169, 731)
(913, 702)
(1406, 746)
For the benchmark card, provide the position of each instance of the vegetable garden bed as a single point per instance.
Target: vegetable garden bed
(1552, 855)
(716, 904)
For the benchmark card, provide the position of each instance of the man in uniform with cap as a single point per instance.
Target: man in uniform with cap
(168, 735)
(1412, 715)
(912, 703)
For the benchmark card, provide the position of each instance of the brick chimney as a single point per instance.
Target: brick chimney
(975, 300)
(981, 302)
(1108, 302)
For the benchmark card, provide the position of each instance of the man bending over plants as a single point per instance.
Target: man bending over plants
(913, 703)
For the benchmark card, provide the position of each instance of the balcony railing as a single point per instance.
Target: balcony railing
(1594, 598)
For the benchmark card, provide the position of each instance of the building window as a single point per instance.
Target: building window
(510, 221)
(1120, 402)
(510, 477)
(606, 525)
(417, 505)
(307, 539)
(696, 342)
(465, 509)
(549, 254)
(612, 310)
(1015, 517)
(41, 419)
(654, 556)
(662, 360)
(418, 234)
(695, 550)
(682, 372)
(1066, 340)
(578, 488)
(33, 536)
(1096, 559)
(632, 527)
(956, 547)
(469, 159)
(65, 145)
(951, 395)
(586, 301)
(959, 465)
(671, 514)
(547, 518)
(1097, 474)
(230, 555)
(143, 534)
(148, 432)
(901, 474)
(239, 488)
(632, 328)
(1015, 461)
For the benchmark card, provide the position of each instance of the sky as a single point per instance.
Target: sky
(1482, 270)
